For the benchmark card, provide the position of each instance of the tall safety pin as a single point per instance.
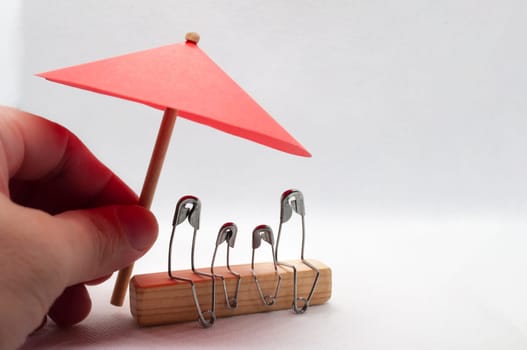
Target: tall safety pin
(227, 234)
(189, 207)
(293, 200)
(264, 232)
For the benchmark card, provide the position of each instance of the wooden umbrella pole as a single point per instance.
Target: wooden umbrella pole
(147, 193)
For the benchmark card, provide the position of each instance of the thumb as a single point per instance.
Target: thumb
(96, 242)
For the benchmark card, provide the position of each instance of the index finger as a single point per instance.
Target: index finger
(45, 166)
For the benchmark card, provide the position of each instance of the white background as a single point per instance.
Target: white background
(414, 112)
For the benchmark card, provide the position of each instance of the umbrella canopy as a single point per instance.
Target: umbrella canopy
(181, 77)
(183, 81)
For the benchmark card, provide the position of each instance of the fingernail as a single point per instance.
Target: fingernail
(139, 225)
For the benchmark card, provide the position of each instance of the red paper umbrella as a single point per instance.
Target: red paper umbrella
(183, 81)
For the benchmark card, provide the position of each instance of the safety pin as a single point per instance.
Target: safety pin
(189, 207)
(293, 200)
(227, 234)
(266, 233)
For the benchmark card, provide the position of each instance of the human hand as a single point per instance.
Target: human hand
(64, 219)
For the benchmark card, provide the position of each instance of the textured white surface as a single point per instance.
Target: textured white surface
(399, 284)
(416, 195)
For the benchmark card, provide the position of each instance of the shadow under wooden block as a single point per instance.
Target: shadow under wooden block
(157, 299)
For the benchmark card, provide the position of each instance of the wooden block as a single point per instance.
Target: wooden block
(156, 299)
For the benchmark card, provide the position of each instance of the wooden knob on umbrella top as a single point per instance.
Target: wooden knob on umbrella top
(193, 37)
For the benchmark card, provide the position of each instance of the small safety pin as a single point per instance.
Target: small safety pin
(264, 232)
(189, 207)
(293, 200)
(227, 234)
